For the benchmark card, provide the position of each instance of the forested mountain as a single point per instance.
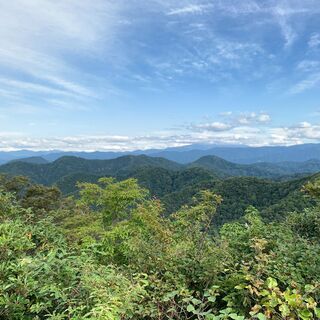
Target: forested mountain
(225, 168)
(52, 172)
(176, 185)
(127, 166)
(35, 160)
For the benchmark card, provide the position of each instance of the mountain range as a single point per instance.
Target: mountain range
(48, 173)
(235, 153)
(175, 184)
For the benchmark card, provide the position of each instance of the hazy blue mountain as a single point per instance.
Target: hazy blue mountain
(246, 155)
(86, 155)
(238, 154)
(235, 153)
(6, 156)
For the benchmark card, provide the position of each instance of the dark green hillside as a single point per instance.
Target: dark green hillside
(35, 172)
(128, 166)
(274, 199)
(225, 168)
(161, 182)
(51, 173)
(158, 180)
(35, 160)
(176, 188)
(68, 183)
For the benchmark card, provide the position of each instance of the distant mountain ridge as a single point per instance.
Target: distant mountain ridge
(247, 155)
(234, 153)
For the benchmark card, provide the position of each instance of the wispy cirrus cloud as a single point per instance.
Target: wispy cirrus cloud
(310, 82)
(36, 38)
(190, 9)
(39, 38)
(314, 41)
(62, 59)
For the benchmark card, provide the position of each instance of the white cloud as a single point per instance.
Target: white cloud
(264, 118)
(314, 41)
(190, 9)
(49, 48)
(308, 65)
(252, 118)
(212, 126)
(313, 80)
(218, 133)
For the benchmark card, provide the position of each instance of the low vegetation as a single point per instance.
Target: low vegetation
(115, 253)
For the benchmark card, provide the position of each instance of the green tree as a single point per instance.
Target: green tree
(115, 200)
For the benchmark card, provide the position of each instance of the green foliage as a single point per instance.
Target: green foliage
(312, 188)
(40, 278)
(41, 199)
(114, 254)
(115, 200)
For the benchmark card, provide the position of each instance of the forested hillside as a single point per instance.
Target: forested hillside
(49, 173)
(266, 170)
(175, 184)
(112, 253)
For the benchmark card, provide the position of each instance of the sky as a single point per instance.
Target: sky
(124, 75)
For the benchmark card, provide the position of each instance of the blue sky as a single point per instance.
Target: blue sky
(121, 75)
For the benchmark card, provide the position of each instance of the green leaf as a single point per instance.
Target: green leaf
(305, 314)
(272, 283)
(196, 301)
(212, 317)
(236, 317)
(284, 309)
(190, 308)
(309, 288)
(261, 316)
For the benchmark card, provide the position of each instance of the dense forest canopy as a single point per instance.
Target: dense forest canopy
(42, 171)
(115, 252)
